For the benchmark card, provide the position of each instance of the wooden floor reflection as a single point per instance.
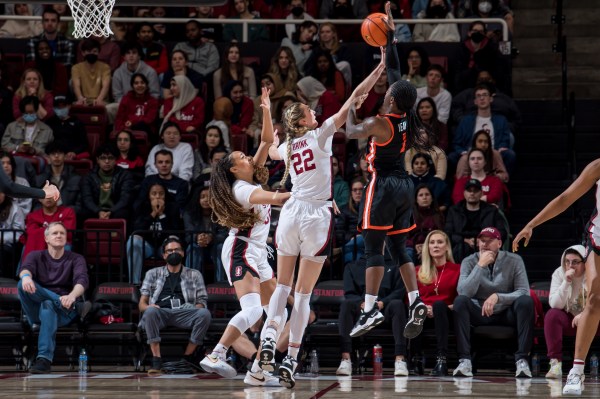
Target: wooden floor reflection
(132, 386)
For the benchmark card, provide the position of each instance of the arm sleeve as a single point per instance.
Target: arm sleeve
(391, 59)
(325, 134)
(13, 189)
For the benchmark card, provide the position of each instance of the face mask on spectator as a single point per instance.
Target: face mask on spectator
(477, 37)
(485, 7)
(62, 113)
(438, 11)
(91, 58)
(297, 11)
(174, 259)
(29, 118)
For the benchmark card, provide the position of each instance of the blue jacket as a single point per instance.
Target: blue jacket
(463, 137)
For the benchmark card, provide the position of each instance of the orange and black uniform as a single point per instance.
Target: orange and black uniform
(388, 198)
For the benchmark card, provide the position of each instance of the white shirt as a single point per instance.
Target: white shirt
(485, 123)
(242, 190)
(442, 101)
(183, 160)
(311, 163)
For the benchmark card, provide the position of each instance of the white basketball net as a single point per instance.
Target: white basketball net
(92, 17)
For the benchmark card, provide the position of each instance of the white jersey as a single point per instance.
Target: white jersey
(242, 190)
(311, 163)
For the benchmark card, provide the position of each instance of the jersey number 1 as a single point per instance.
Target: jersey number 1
(303, 161)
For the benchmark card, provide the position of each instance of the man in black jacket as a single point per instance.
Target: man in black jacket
(466, 219)
(107, 191)
(63, 176)
(389, 301)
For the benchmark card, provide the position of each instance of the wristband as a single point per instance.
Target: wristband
(25, 275)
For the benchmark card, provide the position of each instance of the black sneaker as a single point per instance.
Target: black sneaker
(82, 309)
(156, 367)
(267, 355)
(417, 313)
(441, 367)
(286, 372)
(41, 366)
(366, 322)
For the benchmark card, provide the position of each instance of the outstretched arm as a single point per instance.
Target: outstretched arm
(394, 73)
(266, 135)
(580, 186)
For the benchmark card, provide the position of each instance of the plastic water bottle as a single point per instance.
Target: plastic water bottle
(314, 362)
(594, 367)
(83, 362)
(535, 365)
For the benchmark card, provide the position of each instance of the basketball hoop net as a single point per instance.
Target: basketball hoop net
(92, 17)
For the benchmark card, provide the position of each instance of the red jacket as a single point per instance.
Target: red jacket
(136, 110)
(245, 117)
(36, 222)
(190, 115)
(446, 282)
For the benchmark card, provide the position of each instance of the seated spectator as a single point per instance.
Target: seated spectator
(437, 278)
(64, 27)
(20, 28)
(324, 69)
(233, 68)
(183, 153)
(213, 138)
(9, 165)
(389, 301)
(109, 52)
(493, 289)
(233, 32)
(207, 241)
(123, 77)
(12, 217)
(68, 130)
(493, 188)
(157, 212)
(120, 30)
(61, 46)
(345, 9)
(438, 156)
(296, 11)
(284, 68)
(222, 112)
(466, 219)
(423, 172)
(417, 64)
(427, 217)
(177, 188)
(129, 157)
(243, 108)
(28, 136)
(62, 176)
(52, 282)
(435, 90)
(184, 108)
(138, 109)
(346, 234)
(374, 100)
(179, 67)
(90, 79)
(489, 9)
(54, 73)
(203, 56)
(32, 84)
(202, 176)
(153, 53)
(493, 160)
(37, 221)
(341, 191)
(172, 295)
(107, 191)
(567, 300)
(164, 32)
(302, 43)
(485, 119)
(210, 32)
(436, 9)
(312, 93)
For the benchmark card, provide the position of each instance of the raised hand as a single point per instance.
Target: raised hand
(265, 100)
(526, 233)
(389, 21)
(51, 191)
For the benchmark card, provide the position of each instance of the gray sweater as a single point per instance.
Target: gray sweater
(121, 80)
(508, 280)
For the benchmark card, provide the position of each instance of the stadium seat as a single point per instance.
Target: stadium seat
(104, 246)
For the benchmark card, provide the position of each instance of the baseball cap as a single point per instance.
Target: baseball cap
(490, 232)
(473, 183)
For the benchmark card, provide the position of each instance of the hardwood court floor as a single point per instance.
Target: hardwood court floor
(66, 385)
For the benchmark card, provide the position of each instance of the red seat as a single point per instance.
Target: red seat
(104, 245)
(239, 142)
(441, 60)
(82, 166)
(191, 138)
(96, 122)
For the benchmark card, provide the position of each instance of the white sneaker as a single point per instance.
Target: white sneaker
(212, 364)
(261, 379)
(464, 369)
(464, 385)
(523, 370)
(345, 367)
(555, 369)
(574, 385)
(366, 322)
(400, 368)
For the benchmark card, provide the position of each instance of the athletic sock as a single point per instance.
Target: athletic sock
(412, 297)
(369, 302)
(578, 365)
(220, 351)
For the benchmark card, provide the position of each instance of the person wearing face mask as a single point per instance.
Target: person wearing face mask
(68, 130)
(436, 9)
(173, 295)
(297, 12)
(488, 9)
(91, 79)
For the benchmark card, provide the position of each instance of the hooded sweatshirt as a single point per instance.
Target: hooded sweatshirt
(564, 295)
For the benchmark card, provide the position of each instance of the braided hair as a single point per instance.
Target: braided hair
(405, 96)
(291, 124)
(226, 210)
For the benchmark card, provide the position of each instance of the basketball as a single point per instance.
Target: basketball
(374, 30)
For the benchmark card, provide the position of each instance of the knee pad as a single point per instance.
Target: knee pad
(250, 313)
(375, 260)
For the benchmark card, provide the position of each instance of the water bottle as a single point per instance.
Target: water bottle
(535, 365)
(594, 367)
(314, 362)
(83, 362)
